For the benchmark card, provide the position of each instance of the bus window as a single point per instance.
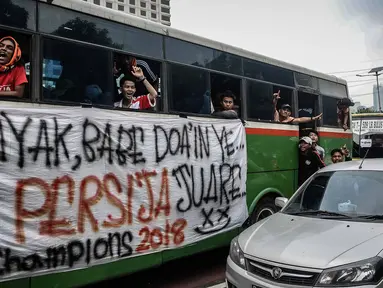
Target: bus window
(221, 83)
(188, 53)
(18, 14)
(189, 90)
(76, 73)
(331, 88)
(266, 72)
(260, 100)
(226, 62)
(307, 107)
(304, 80)
(76, 25)
(286, 97)
(259, 96)
(15, 68)
(122, 68)
(330, 116)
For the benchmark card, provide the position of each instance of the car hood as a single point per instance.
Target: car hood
(312, 242)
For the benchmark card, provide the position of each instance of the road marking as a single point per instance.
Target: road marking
(222, 285)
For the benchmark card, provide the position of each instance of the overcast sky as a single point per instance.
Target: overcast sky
(323, 35)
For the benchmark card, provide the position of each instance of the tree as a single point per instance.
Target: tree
(86, 31)
(13, 15)
(365, 110)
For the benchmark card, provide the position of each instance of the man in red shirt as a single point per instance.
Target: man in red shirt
(128, 89)
(12, 73)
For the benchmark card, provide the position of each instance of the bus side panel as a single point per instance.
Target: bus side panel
(272, 152)
(272, 162)
(330, 142)
(96, 273)
(20, 283)
(278, 181)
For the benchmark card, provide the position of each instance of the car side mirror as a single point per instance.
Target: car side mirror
(280, 202)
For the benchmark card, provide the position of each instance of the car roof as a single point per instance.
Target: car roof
(368, 165)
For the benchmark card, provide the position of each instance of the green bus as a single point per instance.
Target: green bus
(368, 126)
(69, 48)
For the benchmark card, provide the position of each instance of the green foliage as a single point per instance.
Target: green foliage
(366, 110)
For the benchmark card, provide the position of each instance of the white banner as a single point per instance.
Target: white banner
(367, 126)
(81, 187)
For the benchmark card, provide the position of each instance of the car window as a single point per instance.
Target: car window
(352, 192)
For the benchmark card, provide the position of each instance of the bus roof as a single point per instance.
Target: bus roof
(367, 115)
(138, 22)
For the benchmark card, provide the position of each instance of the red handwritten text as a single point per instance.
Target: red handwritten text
(108, 187)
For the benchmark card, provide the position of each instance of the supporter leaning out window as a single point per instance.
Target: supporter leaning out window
(128, 89)
(283, 115)
(12, 72)
(344, 105)
(227, 106)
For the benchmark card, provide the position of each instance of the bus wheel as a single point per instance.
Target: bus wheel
(265, 208)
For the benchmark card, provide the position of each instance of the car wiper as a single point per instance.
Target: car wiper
(320, 212)
(371, 217)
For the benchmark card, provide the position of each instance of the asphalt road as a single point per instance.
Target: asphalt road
(198, 271)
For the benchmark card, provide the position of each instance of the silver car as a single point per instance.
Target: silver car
(329, 234)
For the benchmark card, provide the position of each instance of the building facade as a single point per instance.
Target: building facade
(376, 99)
(154, 10)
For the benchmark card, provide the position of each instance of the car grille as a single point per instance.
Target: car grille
(286, 276)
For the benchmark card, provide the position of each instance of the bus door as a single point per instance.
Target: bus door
(307, 107)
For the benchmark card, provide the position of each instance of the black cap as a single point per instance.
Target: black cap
(286, 106)
(345, 102)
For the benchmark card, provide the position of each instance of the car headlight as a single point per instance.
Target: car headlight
(359, 273)
(236, 253)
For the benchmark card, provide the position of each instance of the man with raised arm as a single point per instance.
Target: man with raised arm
(339, 155)
(283, 115)
(128, 89)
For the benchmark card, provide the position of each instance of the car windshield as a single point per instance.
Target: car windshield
(344, 194)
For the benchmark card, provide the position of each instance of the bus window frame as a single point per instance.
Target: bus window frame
(110, 51)
(322, 108)
(308, 88)
(292, 104)
(68, 41)
(237, 95)
(333, 94)
(111, 22)
(35, 20)
(159, 76)
(209, 86)
(214, 52)
(170, 92)
(268, 66)
(33, 76)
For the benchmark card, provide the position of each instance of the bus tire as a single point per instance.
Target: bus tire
(265, 208)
